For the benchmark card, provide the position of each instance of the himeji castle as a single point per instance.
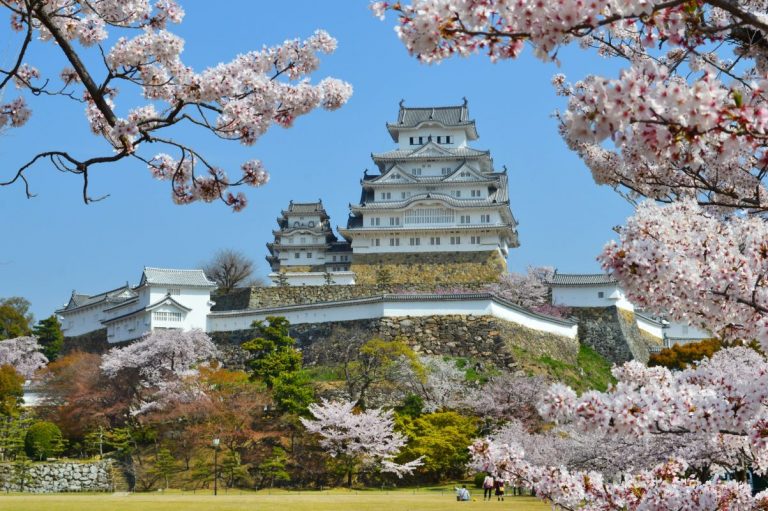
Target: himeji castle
(435, 203)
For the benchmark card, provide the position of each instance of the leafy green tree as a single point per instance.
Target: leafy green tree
(13, 431)
(232, 469)
(412, 406)
(15, 318)
(379, 362)
(273, 469)
(273, 352)
(202, 472)
(43, 440)
(442, 439)
(11, 391)
(165, 466)
(49, 336)
(22, 476)
(293, 392)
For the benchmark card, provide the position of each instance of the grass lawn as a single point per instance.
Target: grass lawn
(403, 500)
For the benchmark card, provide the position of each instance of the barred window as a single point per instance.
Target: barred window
(429, 216)
(175, 317)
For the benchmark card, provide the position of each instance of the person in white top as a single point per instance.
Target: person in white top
(487, 486)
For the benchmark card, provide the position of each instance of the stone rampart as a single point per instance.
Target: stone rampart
(278, 296)
(479, 337)
(55, 477)
(434, 268)
(613, 333)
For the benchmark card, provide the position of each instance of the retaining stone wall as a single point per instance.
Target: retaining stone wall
(264, 297)
(481, 337)
(59, 477)
(613, 333)
(92, 342)
(429, 267)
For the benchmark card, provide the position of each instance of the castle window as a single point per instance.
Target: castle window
(175, 317)
(297, 254)
(375, 221)
(415, 242)
(448, 139)
(434, 240)
(386, 195)
(600, 294)
(174, 291)
(413, 142)
(311, 223)
(334, 259)
(295, 224)
(421, 140)
(376, 242)
(303, 240)
(476, 193)
(445, 170)
(402, 195)
(394, 220)
(309, 255)
(394, 242)
(465, 174)
(457, 193)
(474, 240)
(416, 171)
(485, 219)
(455, 240)
(429, 216)
(465, 219)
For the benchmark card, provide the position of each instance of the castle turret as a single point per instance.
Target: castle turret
(305, 249)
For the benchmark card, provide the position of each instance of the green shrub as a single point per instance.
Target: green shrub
(43, 441)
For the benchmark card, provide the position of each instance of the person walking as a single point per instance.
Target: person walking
(487, 486)
(499, 485)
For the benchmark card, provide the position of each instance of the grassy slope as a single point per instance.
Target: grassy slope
(263, 501)
(591, 371)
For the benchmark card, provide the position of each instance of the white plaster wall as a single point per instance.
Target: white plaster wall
(587, 296)
(458, 136)
(223, 321)
(652, 328)
(683, 330)
(83, 320)
(303, 220)
(194, 298)
(128, 328)
(365, 244)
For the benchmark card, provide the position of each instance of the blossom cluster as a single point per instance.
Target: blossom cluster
(238, 100)
(368, 436)
(23, 353)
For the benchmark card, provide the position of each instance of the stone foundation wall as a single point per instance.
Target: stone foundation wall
(59, 477)
(613, 333)
(264, 297)
(93, 342)
(435, 268)
(480, 337)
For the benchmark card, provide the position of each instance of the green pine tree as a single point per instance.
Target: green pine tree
(165, 466)
(49, 335)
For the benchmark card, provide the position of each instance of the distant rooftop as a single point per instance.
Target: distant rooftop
(581, 279)
(305, 207)
(171, 277)
(412, 117)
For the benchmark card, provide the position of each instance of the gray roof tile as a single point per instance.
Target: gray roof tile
(581, 279)
(171, 277)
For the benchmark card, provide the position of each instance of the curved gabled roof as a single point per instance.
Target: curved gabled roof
(445, 116)
(426, 153)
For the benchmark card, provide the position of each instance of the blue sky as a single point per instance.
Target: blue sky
(53, 243)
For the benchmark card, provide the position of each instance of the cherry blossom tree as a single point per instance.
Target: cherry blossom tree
(239, 100)
(683, 132)
(528, 289)
(363, 439)
(23, 353)
(160, 367)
